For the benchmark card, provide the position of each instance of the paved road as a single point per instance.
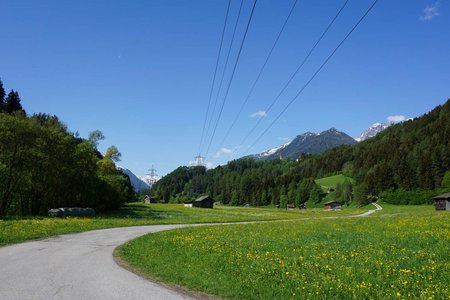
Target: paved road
(76, 266)
(80, 266)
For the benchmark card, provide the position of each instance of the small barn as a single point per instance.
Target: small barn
(149, 199)
(332, 205)
(203, 202)
(442, 202)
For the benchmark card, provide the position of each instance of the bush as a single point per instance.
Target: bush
(404, 197)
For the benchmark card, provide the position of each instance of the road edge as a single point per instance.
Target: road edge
(170, 286)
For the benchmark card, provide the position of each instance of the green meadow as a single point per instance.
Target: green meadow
(14, 230)
(400, 252)
(332, 181)
(329, 182)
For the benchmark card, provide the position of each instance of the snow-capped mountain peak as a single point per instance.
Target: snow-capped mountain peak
(307, 143)
(272, 151)
(372, 131)
(148, 179)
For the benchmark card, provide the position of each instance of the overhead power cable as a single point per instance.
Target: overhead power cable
(232, 76)
(214, 77)
(305, 59)
(259, 74)
(224, 69)
(313, 76)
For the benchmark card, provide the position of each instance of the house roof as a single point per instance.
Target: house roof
(443, 196)
(330, 202)
(202, 198)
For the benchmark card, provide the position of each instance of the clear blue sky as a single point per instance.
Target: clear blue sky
(141, 71)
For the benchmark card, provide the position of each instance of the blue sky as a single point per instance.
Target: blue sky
(141, 71)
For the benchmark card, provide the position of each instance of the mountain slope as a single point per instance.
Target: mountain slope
(411, 155)
(308, 143)
(137, 183)
(372, 131)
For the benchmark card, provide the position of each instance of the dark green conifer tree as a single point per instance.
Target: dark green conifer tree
(2, 96)
(12, 102)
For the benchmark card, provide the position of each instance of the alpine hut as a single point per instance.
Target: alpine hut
(203, 202)
(332, 205)
(442, 202)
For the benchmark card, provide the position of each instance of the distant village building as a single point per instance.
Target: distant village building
(442, 202)
(203, 202)
(332, 205)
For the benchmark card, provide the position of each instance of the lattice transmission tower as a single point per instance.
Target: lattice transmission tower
(153, 175)
(199, 161)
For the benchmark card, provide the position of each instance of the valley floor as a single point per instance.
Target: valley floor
(14, 230)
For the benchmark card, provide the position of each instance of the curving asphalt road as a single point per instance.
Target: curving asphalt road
(76, 266)
(81, 266)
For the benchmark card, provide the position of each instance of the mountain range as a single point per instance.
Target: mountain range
(372, 131)
(307, 143)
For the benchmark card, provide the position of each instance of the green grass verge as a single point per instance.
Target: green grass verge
(401, 252)
(18, 230)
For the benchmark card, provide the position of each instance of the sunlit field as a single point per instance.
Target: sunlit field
(401, 252)
(134, 214)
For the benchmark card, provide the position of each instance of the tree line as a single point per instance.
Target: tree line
(43, 165)
(241, 181)
(404, 164)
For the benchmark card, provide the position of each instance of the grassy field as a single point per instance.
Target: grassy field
(18, 230)
(332, 181)
(401, 252)
(326, 183)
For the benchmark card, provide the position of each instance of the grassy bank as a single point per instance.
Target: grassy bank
(397, 253)
(18, 230)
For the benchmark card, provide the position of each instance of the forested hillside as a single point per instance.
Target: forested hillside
(43, 165)
(404, 164)
(239, 182)
(413, 155)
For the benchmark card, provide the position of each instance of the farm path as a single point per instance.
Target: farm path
(378, 207)
(81, 266)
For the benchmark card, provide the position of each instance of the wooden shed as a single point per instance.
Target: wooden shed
(442, 202)
(149, 199)
(332, 205)
(203, 202)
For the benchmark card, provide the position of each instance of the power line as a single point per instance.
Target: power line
(215, 73)
(313, 76)
(297, 70)
(259, 74)
(224, 68)
(232, 76)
